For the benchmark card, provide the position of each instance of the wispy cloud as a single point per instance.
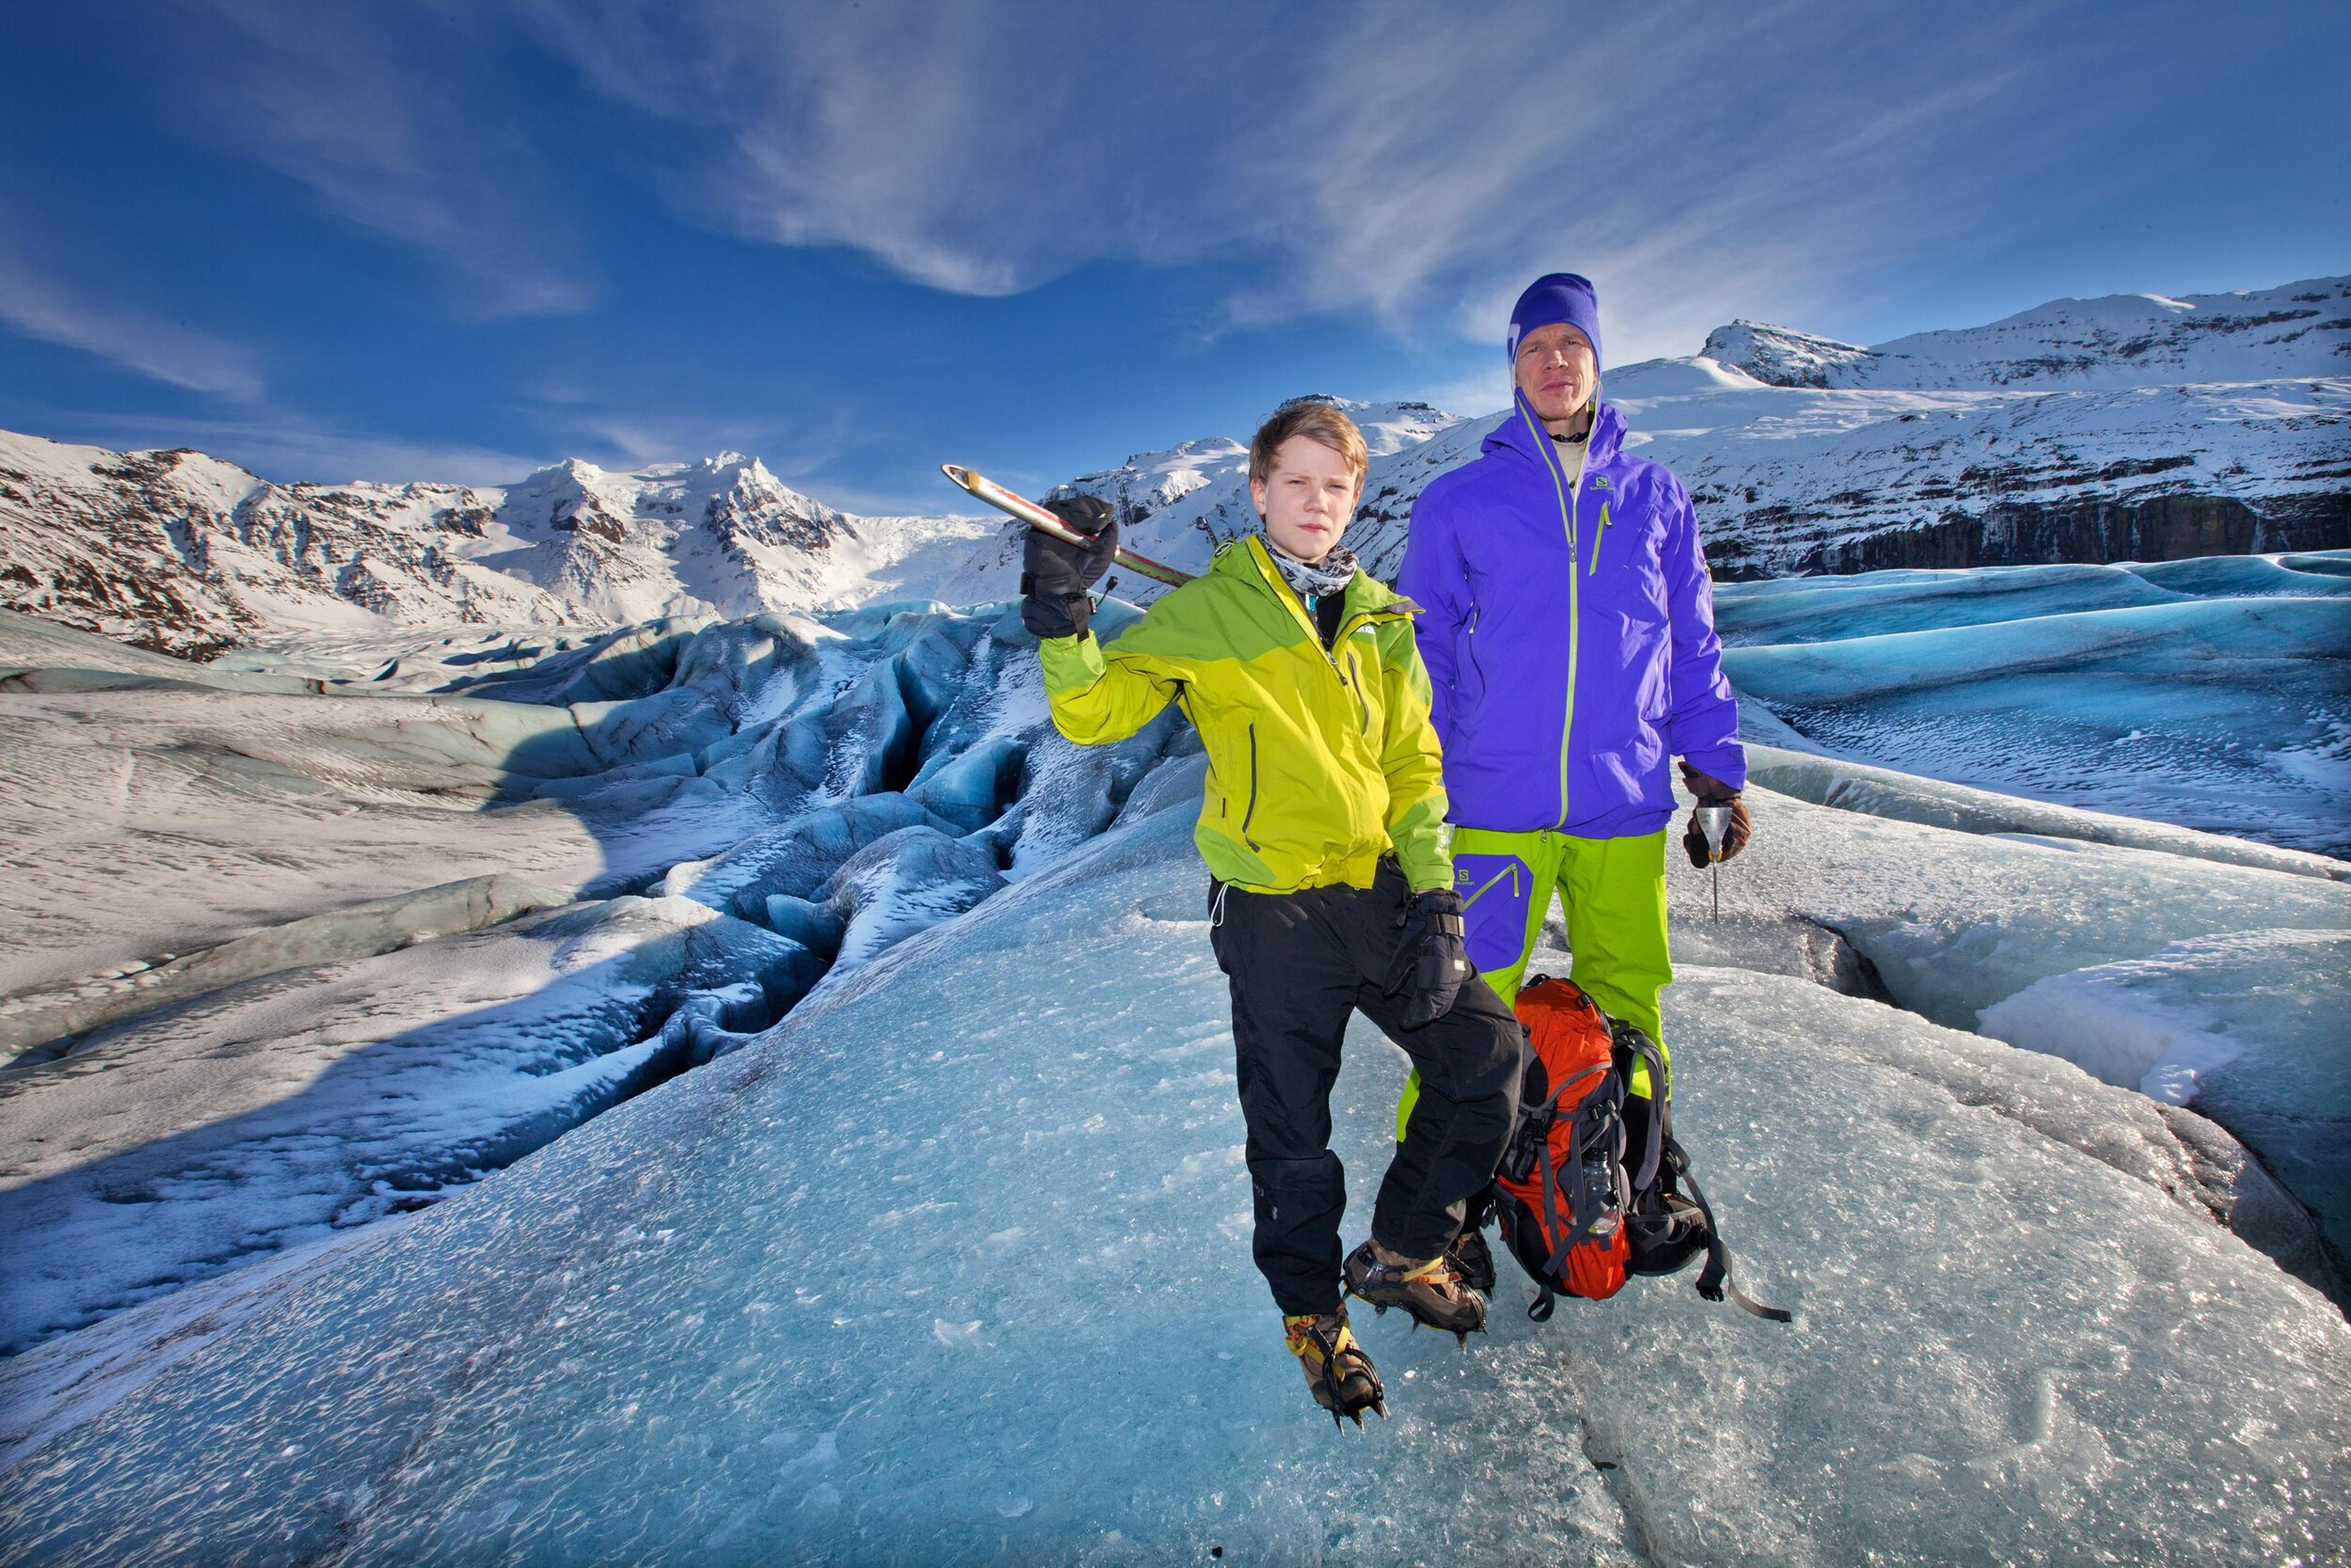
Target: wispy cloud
(37, 305)
(1364, 158)
(384, 113)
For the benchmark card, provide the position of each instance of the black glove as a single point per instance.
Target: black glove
(1713, 791)
(1055, 576)
(1431, 964)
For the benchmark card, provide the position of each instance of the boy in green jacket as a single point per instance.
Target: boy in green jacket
(1331, 890)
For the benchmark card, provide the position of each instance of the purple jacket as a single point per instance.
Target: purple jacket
(1572, 650)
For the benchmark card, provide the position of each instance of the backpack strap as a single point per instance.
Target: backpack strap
(1652, 1146)
(1714, 1279)
(1539, 1308)
(1552, 1236)
(1630, 1045)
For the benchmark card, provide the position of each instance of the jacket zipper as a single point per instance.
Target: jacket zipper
(1509, 871)
(1251, 812)
(1548, 455)
(1597, 537)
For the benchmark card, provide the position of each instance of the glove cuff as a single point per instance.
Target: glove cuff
(1048, 617)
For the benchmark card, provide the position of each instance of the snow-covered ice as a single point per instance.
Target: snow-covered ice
(951, 1266)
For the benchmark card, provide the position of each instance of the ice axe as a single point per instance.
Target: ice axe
(1714, 822)
(1043, 521)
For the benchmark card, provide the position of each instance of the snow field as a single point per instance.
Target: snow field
(952, 1266)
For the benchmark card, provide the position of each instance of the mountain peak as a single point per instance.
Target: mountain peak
(1782, 356)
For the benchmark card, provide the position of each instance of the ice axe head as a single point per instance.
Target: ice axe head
(1714, 822)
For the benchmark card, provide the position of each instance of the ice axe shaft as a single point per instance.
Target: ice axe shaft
(1714, 822)
(987, 489)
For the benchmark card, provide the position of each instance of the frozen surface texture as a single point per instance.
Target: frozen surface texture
(2025, 925)
(951, 1266)
(286, 953)
(2250, 1028)
(2211, 694)
(171, 1147)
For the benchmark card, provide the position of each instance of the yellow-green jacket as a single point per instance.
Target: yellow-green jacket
(1319, 763)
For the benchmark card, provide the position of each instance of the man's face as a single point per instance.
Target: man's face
(1308, 499)
(1556, 369)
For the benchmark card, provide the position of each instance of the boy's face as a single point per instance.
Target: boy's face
(1307, 499)
(1556, 369)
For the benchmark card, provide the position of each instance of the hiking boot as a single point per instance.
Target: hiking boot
(1338, 1373)
(1432, 1291)
(1473, 1260)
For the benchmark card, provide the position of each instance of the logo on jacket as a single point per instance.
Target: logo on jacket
(1600, 481)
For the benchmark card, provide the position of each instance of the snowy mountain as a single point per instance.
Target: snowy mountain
(2135, 427)
(2299, 330)
(183, 553)
(748, 1091)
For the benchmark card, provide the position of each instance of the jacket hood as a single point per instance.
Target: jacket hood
(1524, 434)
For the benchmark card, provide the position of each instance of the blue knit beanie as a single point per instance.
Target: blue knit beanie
(1557, 297)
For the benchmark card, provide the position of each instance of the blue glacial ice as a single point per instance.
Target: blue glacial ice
(193, 1090)
(951, 1266)
(2215, 694)
(2249, 1027)
(271, 1111)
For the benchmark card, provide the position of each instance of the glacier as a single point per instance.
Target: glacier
(951, 1266)
(2213, 694)
(235, 1022)
(749, 1089)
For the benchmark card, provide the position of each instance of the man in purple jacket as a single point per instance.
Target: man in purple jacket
(1568, 629)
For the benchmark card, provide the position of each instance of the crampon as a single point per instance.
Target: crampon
(1338, 1372)
(1435, 1293)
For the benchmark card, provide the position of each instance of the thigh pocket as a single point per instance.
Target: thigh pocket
(1495, 891)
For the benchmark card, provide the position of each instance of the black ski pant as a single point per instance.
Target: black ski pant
(1299, 963)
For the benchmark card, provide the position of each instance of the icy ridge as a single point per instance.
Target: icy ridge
(697, 821)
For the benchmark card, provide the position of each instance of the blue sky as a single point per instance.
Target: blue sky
(460, 239)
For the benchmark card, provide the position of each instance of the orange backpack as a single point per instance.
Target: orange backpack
(1590, 1187)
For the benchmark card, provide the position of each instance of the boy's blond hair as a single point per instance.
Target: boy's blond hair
(1319, 421)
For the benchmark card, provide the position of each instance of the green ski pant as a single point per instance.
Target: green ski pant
(1614, 891)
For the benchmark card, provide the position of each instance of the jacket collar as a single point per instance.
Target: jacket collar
(1247, 559)
(1522, 434)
